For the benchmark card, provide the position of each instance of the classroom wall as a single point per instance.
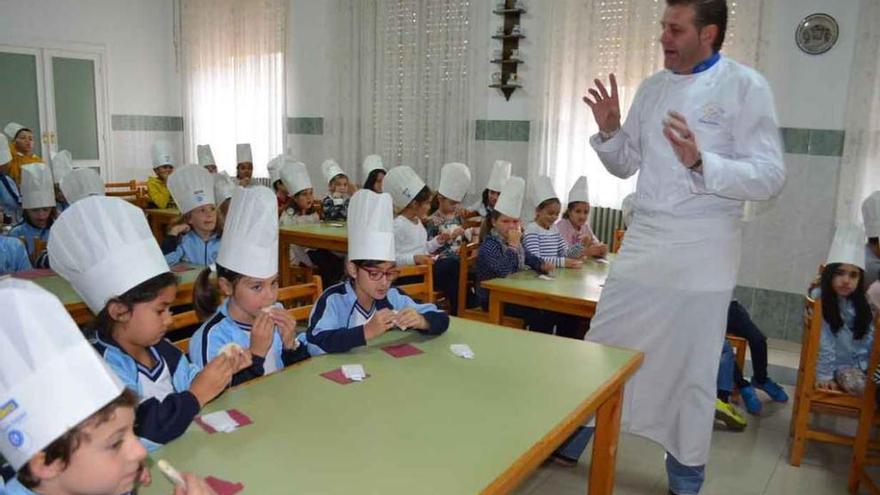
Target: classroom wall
(144, 84)
(791, 235)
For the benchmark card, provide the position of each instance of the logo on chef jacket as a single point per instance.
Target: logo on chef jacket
(712, 114)
(8, 408)
(16, 438)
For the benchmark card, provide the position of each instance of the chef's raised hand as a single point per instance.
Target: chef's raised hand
(683, 141)
(605, 106)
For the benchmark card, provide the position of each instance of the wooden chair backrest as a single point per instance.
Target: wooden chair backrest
(292, 298)
(132, 191)
(423, 290)
(300, 299)
(468, 256)
(618, 240)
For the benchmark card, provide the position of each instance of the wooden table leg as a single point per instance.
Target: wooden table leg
(495, 307)
(284, 261)
(601, 480)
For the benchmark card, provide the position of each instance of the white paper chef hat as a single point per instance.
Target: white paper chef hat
(331, 169)
(51, 379)
(372, 162)
(206, 156)
(627, 206)
(499, 175)
(511, 197)
(250, 234)
(542, 190)
(191, 186)
(274, 168)
(370, 226)
(5, 154)
(403, 184)
(870, 214)
(295, 176)
(37, 189)
(162, 153)
(580, 191)
(81, 183)
(62, 164)
(455, 180)
(224, 186)
(12, 129)
(103, 246)
(243, 153)
(848, 246)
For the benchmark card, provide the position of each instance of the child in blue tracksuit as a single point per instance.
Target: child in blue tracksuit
(13, 257)
(847, 329)
(196, 239)
(127, 285)
(351, 313)
(38, 202)
(247, 276)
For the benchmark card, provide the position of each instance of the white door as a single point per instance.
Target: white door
(70, 107)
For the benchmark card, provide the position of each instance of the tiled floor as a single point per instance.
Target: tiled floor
(751, 462)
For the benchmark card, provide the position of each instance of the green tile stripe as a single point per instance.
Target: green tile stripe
(778, 314)
(502, 130)
(305, 125)
(146, 123)
(815, 142)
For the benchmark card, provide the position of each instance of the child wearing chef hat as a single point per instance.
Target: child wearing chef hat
(196, 237)
(238, 295)
(104, 248)
(365, 306)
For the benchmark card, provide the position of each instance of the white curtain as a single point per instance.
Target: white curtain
(590, 39)
(860, 165)
(404, 83)
(232, 61)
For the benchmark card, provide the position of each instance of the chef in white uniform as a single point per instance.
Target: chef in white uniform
(704, 138)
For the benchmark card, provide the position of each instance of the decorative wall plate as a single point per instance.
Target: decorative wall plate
(817, 33)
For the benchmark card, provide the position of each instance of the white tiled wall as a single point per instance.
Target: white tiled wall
(790, 236)
(132, 153)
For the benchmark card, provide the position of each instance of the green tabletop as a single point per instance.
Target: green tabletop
(64, 291)
(581, 283)
(430, 423)
(326, 229)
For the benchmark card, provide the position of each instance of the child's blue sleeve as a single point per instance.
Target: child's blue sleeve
(827, 355)
(175, 256)
(328, 326)
(438, 321)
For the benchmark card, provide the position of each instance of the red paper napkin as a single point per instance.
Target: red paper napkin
(402, 350)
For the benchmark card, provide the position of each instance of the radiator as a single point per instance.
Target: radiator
(604, 222)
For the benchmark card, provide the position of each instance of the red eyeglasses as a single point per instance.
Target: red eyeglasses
(376, 275)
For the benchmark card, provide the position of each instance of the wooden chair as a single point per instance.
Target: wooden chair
(809, 399)
(468, 256)
(868, 420)
(131, 191)
(739, 348)
(424, 290)
(297, 299)
(618, 240)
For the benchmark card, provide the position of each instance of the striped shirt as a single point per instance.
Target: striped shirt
(548, 244)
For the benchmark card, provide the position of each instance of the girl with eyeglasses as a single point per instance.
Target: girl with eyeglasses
(355, 311)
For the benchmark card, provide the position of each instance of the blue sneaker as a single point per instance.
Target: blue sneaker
(751, 400)
(772, 389)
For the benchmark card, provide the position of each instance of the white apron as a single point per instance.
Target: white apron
(669, 288)
(684, 272)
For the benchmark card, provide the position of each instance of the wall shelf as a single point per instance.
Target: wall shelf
(511, 12)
